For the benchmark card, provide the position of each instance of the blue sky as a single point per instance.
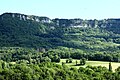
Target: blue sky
(85, 9)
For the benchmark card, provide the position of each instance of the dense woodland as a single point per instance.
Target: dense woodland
(28, 64)
(53, 71)
(31, 46)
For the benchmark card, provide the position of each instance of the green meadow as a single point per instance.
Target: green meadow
(115, 65)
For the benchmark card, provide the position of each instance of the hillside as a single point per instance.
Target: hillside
(89, 36)
(33, 47)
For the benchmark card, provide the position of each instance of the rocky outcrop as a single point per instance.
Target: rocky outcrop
(26, 17)
(105, 23)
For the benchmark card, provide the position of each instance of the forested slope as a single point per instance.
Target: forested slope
(29, 46)
(93, 38)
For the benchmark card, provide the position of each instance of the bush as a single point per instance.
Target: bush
(67, 61)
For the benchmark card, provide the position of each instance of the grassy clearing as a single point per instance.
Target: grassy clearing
(91, 63)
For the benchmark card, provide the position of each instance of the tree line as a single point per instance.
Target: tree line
(53, 71)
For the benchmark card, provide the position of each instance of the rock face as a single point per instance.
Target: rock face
(87, 23)
(26, 17)
(105, 23)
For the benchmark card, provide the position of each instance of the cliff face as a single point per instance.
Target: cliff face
(26, 17)
(109, 24)
(87, 23)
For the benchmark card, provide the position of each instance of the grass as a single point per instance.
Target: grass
(115, 65)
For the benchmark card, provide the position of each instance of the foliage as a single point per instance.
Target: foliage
(69, 60)
(25, 55)
(53, 71)
(28, 48)
(82, 61)
(89, 42)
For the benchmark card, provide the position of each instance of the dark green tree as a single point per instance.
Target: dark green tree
(76, 62)
(110, 67)
(82, 61)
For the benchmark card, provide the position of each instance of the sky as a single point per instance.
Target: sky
(84, 9)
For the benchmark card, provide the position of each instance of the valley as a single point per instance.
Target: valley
(36, 48)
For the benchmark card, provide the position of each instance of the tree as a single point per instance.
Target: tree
(110, 66)
(3, 65)
(67, 60)
(82, 61)
(76, 62)
(56, 58)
